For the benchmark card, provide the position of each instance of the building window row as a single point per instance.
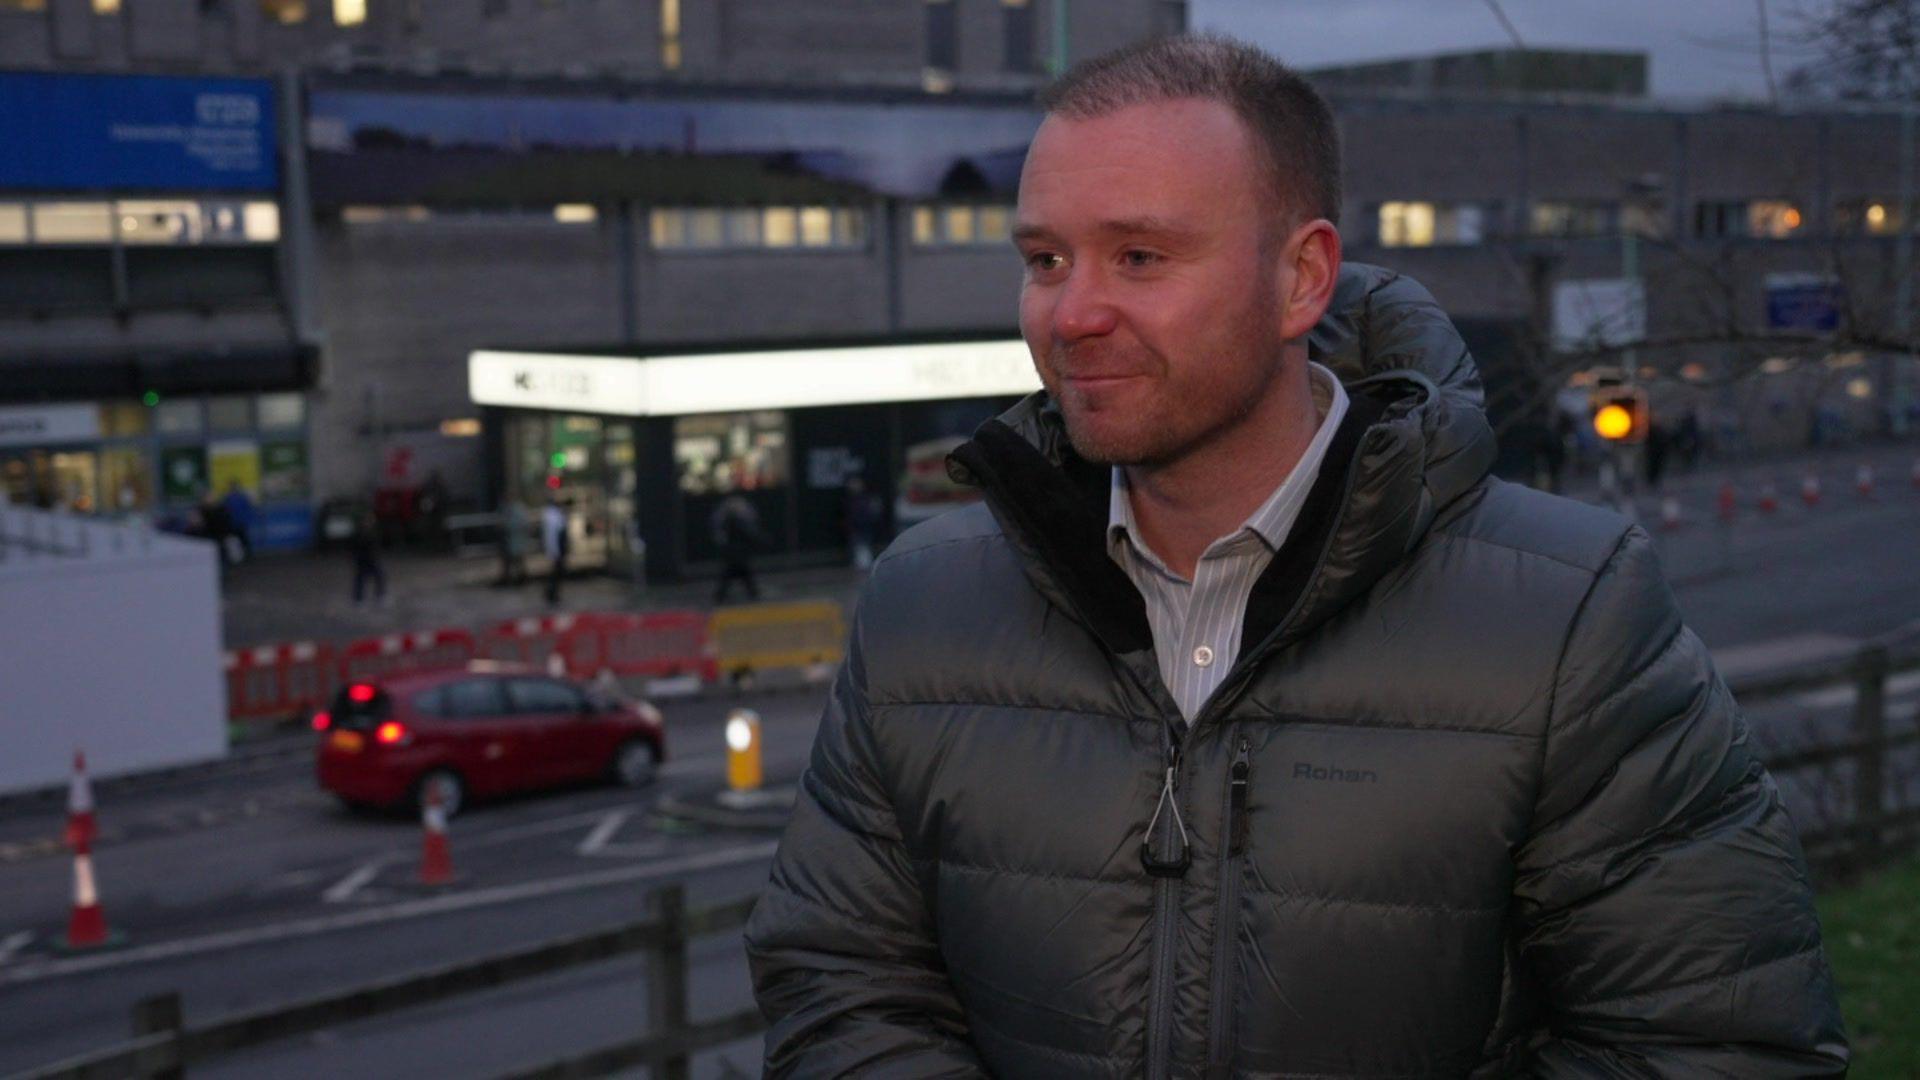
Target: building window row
(413, 214)
(1427, 224)
(962, 225)
(708, 228)
(295, 12)
(139, 222)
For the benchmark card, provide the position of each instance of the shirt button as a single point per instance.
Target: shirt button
(1203, 656)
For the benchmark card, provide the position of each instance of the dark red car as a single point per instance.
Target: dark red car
(487, 729)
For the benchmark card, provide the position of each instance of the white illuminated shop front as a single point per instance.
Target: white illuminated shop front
(644, 447)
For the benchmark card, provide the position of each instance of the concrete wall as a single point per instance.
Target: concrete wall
(113, 649)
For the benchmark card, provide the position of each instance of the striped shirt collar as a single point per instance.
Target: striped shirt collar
(1274, 519)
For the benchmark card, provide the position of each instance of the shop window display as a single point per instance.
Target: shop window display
(730, 452)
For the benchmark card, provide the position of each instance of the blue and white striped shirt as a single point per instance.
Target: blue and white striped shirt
(1196, 624)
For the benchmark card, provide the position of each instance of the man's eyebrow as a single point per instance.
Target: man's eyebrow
(1133, 226)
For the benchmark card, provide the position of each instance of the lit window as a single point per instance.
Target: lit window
(667, 228)
(1773, 218)
(723, 452)
(285, 12)
(743, 228)
(816, 226)
(381, 215)
(230, 413)
(995, 224)
(1587, 218)
(260, 222)
(158, 221)
(849, 227)
(706, 228)
(13, 223)
(576, 214)
(925, 231)
(670, 34)
(1868, 217)
(23, 5)
(279, 412)
(349, 12)
(73, 223)
(780, 226)
(106, 7)
(1406, 224)
(957, 223)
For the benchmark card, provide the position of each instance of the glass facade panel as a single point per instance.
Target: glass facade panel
(124, 419)
(126, 478)
(780, 226)
(180, 417)
(816, 226)
(995, 225)
(957, 223)
(926, 229)
(279, 412)
(73, 223)
(743, 228)
(230, 414)
(729, 452)
(13, 223)
(706, 229)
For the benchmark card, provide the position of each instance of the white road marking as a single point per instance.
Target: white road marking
(435, 905)
(644, 849)
(603, 832)
(13, 943)
(342, 891)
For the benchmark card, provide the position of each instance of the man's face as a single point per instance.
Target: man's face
(1151, 301)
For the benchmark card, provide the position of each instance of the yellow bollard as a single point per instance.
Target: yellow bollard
(743, 750)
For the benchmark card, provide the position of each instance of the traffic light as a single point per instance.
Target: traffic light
(1620, 414)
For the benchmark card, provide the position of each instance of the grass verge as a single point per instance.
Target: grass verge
(1872, 932)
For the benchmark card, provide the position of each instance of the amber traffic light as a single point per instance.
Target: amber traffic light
(1620, 415)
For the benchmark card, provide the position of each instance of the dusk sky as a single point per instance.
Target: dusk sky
(1700, 48)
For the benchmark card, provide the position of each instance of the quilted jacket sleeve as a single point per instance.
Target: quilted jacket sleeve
(1663, 900)
(842, 947)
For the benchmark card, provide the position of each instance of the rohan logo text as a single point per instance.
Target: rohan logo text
(1303, 770)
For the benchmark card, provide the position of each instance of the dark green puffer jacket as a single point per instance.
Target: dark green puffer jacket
(1471, 802)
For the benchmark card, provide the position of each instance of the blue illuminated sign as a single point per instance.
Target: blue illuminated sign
(136, 132)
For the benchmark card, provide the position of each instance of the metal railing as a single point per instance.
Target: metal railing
(164, 1047)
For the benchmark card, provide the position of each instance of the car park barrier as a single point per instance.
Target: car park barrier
(810, 635)
(394, 654)
(271, 683)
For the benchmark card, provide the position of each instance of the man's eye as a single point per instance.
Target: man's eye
(1138, 258)
(1044, 260)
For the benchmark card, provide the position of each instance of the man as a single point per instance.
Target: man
(554, 543)
(240, 516)
(736, 532)
(1251, 728)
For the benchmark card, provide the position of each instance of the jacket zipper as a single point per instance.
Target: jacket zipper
(1233, 847)
(1165, 855)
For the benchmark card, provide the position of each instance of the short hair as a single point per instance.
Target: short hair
(1291, 123)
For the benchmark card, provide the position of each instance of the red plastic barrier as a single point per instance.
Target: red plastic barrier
(532, 641)
(394, 654)
(275, 682)
(660, 644)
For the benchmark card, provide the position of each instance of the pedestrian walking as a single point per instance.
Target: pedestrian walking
(364, 545)
(555, 543)
(514, 525)
(1251, 727)
(736, 533)
(239, 509)
(861, 511)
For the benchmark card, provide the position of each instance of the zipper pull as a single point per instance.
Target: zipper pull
(1169, 868)
(1237, 799)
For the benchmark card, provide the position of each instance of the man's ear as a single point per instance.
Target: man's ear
(1312, 255)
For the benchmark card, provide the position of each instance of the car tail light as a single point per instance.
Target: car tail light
(361, 693)
(322, 721)
(391, 733)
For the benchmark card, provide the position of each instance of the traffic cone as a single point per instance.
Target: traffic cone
(1728, 503)
(87, 929)
(1810, 490)
(1863, 481)
(1769, 498)
(1669, 513)
(436, 861)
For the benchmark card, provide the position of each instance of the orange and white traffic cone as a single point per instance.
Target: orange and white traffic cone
(1669, 513)
(1863, 481)
(1810, 490)
(436, 861)
(1769, 498)
(1728, 504)
(87, 929)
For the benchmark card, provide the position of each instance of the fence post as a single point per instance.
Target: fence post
(154, 1015)
(667, 980)
(1870, 728)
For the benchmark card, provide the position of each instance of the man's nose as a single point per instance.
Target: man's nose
(1083, 308)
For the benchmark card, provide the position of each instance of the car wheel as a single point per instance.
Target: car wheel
(634, 764)
(453, 791)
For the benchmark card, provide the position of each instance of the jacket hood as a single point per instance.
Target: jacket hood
(1416, 438)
